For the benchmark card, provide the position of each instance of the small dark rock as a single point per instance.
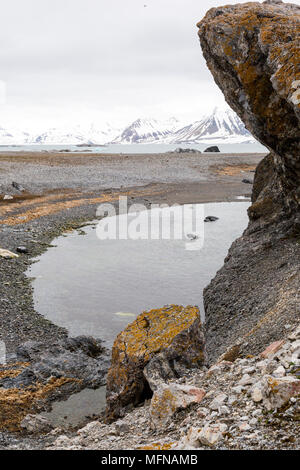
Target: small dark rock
(22, 249)
(181, 150)
(245, 180)
(17, 186)
(214, 148)
(211, 218)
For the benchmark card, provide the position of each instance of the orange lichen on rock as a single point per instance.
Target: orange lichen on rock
(173, 330)
(15, 403)
(253, 52)
(158, 446)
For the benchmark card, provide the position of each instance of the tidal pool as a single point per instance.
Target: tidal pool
(96, 287)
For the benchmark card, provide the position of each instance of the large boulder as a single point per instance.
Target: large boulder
(252, 50)
(157, 346)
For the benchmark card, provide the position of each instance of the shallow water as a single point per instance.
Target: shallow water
(96, 287)
(80, 406)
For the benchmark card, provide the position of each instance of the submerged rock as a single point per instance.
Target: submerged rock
(211, 218)
(174, 333)
(247, 181)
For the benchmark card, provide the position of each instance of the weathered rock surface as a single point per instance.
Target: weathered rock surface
(276, 391)
(43, 373)
(169, 398)
(36, 424)
(226, 417)
(253, 52)
(171, 337)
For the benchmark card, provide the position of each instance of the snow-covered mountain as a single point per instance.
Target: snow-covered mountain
(222, 125)
(147, 131)
(13, 136)
(92, 134)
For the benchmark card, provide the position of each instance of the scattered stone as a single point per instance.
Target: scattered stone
(279, 372)
(246, 380)
(272, 349)
(121, 427)
(218, 401)
(278, 391)
(211, 434)
(244, 427)
(7, 197)
(36, 424)
(7, 254)
(17, 186)
(257, 394)
(172, 397)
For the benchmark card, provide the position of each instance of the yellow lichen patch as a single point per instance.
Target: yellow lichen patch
(233, 170)
(156, 329)
(12, 370)
(158, 446)
(5, 374)
(15, 404)
(173, 330)
(252, 37)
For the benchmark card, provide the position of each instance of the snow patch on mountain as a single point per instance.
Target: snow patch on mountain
(147, 131)
(223, 125)
(220, 126)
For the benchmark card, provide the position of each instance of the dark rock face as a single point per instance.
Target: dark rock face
(82, 359)
(252, 51)
(44, 373)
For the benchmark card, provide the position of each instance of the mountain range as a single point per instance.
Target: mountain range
(220, 126)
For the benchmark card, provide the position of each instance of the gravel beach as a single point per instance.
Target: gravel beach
(56, 192)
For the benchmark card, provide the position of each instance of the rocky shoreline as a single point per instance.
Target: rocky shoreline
(245, 403)
(236, 384)
(20, 323)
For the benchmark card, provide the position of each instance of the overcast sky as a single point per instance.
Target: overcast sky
(74, 61)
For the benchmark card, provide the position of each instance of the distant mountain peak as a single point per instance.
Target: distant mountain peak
(221, 125)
